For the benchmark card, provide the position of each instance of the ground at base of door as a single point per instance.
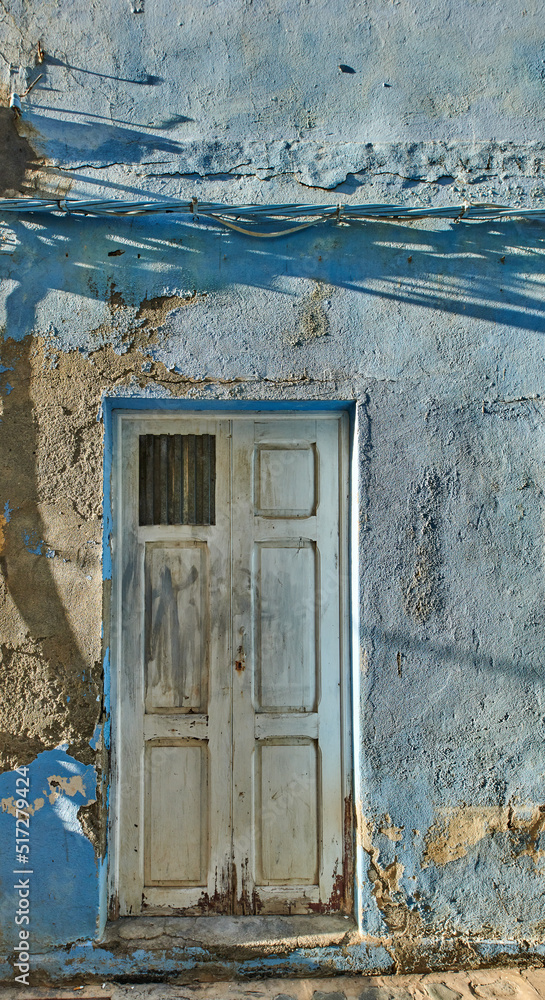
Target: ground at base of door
(504, 984)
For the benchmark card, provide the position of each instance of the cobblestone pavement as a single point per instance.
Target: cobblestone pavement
(505, 984)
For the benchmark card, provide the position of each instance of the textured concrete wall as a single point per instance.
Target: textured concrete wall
(435, 329)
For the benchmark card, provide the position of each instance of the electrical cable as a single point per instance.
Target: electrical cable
(230, 216)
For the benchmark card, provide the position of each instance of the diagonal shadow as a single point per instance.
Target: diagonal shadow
(97, 141)
(26, 570)
(485, 271)
(147, 79)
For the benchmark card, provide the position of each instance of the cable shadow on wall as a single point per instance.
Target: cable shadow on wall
(489, 271)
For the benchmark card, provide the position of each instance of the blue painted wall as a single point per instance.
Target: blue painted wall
(434, 329)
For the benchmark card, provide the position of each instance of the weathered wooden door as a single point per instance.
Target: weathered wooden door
(230, 638)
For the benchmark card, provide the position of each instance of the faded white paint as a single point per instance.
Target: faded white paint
(234, 802)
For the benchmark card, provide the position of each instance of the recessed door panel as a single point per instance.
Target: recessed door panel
(285, 481)
(177, 627)
(176, 815)
(286, 813)
(286, 599)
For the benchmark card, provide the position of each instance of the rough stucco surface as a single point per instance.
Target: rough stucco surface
(433, 329)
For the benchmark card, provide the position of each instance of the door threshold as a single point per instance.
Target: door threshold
(249, 934)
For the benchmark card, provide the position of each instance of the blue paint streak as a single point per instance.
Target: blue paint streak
(354, 959)
(99, 961)
(93, 742)
(4, 368)
(8, 511)
(9, 388)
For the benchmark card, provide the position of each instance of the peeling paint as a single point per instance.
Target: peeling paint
(60, 785)
(394, 833)
(404, 923)
(458, 830)
(8, 806)
(155, 311)
(312, 321)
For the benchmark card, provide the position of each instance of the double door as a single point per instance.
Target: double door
(229, 644)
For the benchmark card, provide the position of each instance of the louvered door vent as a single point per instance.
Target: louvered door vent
(177, 479)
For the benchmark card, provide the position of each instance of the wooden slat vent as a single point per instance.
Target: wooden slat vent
(177, 479)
